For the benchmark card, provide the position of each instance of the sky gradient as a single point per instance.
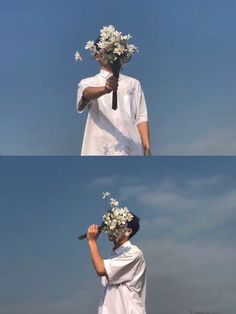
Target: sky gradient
(186, 66)
(188, 223)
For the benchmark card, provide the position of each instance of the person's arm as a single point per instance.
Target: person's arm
(144, 134)
(98, 263)
(91, 93)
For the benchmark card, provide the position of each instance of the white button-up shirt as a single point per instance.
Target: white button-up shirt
(113, 132)
(124, 288)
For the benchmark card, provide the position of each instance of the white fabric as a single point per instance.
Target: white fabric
(113, 132)
(125, 291)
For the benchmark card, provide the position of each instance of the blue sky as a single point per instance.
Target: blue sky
(186, 66)
(187, 210)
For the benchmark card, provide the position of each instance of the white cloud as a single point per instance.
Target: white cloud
(205, 181)
(188, 277)
(184, 273)
(103, 182)
(221, 141)
(186, 210)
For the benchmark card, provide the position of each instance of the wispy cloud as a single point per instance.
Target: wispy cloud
(186, 273)
(189, 277)
(187, 235)
(103, 182)
(186, 209)
(220, 141)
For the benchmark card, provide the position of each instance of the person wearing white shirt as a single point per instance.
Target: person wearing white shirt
(123, 274)
(108, 132)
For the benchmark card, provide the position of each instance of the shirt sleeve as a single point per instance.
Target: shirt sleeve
(121, 269)
(81, 87)
(141, 110)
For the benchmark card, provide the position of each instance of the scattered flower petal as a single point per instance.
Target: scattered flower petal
(105, 194)
(78, 56)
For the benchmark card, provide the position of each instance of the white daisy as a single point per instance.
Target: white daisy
(90, 45)
(114, 202)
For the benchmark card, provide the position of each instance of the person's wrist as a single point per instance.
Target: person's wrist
(92, 241)
(105, 91)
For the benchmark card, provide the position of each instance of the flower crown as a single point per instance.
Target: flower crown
(116, 217)
(112, 45)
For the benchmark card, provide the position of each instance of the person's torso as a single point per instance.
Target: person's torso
(113, 132)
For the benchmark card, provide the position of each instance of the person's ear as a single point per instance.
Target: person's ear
(98, 57)
(128, 232)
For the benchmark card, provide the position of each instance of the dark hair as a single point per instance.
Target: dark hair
(134, 225)
(96, 42)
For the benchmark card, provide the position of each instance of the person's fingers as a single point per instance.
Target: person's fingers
(115, 83)
(113, 80)
(110, 86)
(109, 82)
(93, 228)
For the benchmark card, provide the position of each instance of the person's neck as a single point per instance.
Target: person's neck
(120, 242)
(106, 67)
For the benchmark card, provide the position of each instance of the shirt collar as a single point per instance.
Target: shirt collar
(121, 248)
(105, 74)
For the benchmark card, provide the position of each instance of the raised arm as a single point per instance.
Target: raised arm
(91, 93)
(92, 235)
